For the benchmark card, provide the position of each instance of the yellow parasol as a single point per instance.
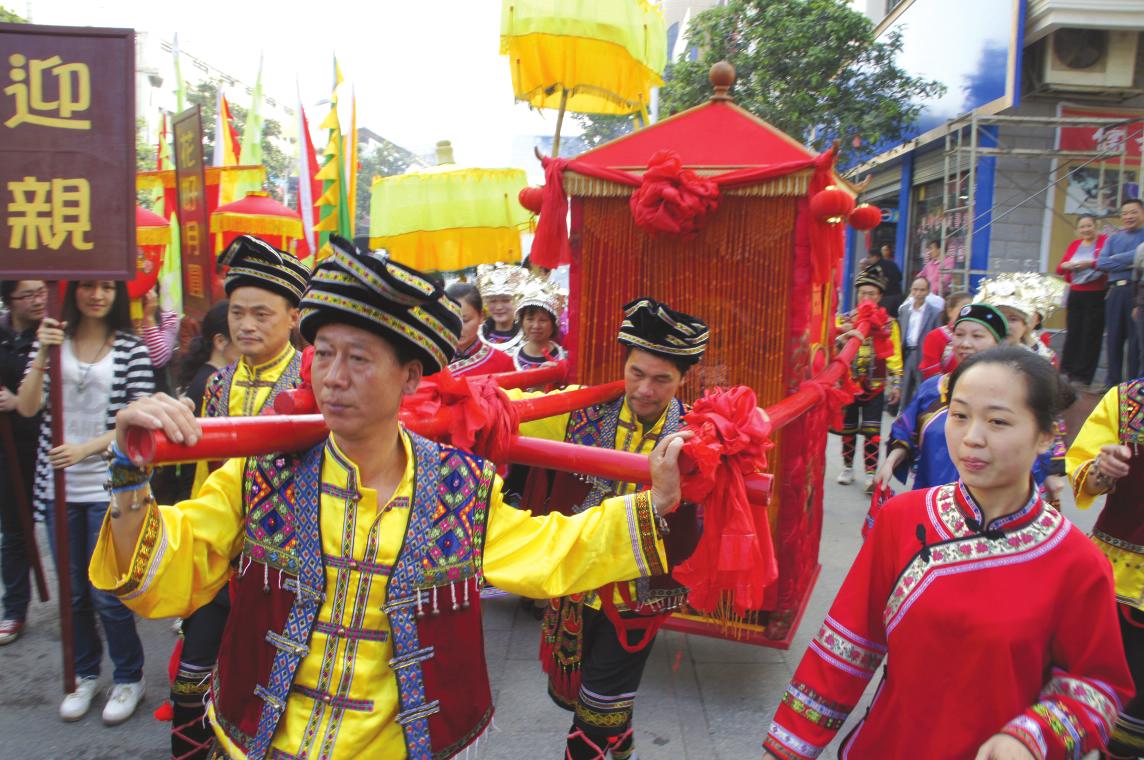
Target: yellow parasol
(586, 56)
(447, 217)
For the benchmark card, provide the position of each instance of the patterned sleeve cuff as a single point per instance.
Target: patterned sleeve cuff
(647, 544)
(786, 746)
(1027, 731)
(146, 558)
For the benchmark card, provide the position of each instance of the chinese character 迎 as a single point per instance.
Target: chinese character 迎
(73, 92)
(43, 213)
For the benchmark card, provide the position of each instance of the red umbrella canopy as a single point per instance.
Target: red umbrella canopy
(257, 214)
(152, 234)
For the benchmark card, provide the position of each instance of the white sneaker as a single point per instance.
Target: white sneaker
(846, 477)
(123, 700)
(76, 704)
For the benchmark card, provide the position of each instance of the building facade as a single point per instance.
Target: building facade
(1024, 140)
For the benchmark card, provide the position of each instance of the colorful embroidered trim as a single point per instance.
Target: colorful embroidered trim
(122, 478)
(788, 746)
(1094, 695)
(361, 566)
(814, 707)
(148, 555)
(342, 632)
(1027, 731)
(847, 651)
(342, 703)
(641, 526)
(605, 711)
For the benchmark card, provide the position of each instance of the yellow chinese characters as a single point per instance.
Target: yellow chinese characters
(72, 92)
(43, 213)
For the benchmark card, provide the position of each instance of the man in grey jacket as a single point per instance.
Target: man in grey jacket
(916, 317)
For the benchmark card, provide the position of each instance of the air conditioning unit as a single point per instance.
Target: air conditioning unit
(1088, 59)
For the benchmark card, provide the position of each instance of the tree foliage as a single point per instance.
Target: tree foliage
(601, 128)
(383, 160)
(812, 68)
(8, 17)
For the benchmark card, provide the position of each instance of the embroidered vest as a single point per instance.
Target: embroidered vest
(438, 649)
(216, 396)
(596, 426)
(1121, 522)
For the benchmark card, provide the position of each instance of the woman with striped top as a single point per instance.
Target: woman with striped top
(104, 367)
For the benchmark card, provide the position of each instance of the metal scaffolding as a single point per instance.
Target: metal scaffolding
(966, 141)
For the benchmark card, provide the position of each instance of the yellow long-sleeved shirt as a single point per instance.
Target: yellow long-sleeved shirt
(1103, 427)
(249, 390)
(631, 436)
(184, 552)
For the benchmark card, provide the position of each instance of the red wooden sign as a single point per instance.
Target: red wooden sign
(67, 152)
(194, 228)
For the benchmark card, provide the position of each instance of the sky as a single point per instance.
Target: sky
(423, 71)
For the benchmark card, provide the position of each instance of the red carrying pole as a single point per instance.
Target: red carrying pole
(60, 506)
(227, 437)
(301, 400)
(794, 406)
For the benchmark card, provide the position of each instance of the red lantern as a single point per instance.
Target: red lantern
(865, 217)
(532, 198)
(832, 204)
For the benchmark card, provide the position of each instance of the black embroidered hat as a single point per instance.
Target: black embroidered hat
(869, 277)
(660, 330)
(370, 291)
(256, 263)
(987, 316)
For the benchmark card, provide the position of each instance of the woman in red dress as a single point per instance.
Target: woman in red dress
(996, 615)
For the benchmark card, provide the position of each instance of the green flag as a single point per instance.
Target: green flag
(251, 152)
(180, 86)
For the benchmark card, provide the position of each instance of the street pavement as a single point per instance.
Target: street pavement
(701, 698)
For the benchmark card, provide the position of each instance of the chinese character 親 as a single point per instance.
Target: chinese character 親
(72, 92)
(43, 213)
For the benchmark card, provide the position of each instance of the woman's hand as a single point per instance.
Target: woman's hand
(886, 471)
(665, 480)
(1003, 747)
(50, 333)
(1054, 487)
(65, 455)
(159, 412)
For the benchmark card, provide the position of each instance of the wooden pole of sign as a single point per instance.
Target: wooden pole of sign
(23, 505)
(60, 504)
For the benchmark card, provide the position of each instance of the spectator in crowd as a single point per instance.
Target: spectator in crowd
(882, 262)
(916, 319)
(937, 268)
(159, 330)
(209, 352)
(104, 367)
(938, 356)
(25, 301)
(1085, 317)
(1116, 260)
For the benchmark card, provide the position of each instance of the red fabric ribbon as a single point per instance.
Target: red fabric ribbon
(880, 329)
(735, 555)
(671, 199)
(550, 246)
(480, 416)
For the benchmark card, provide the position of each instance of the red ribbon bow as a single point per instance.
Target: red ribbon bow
(672, 199)
(735, 555)
(480, 416)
